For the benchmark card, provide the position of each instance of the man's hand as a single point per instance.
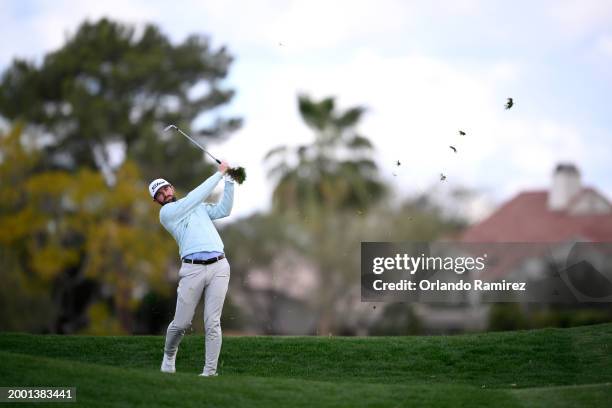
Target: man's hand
(223, 167)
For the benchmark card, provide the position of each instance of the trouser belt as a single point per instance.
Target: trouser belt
(204, 261)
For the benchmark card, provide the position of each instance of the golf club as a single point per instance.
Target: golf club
(237, 173)
(169, 127)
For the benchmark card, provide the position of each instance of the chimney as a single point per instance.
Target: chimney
(565, 185)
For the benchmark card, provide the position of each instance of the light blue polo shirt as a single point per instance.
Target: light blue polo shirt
(189, 220)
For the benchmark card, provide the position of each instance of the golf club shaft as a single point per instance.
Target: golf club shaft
(197, 144)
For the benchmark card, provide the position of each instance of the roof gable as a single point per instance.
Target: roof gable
(526, 218)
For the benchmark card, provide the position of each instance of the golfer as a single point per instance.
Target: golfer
(204, 269)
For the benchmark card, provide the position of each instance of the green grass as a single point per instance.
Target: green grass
(560, 367)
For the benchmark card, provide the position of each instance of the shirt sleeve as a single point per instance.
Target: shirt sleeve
(177, 210)
(224, 207)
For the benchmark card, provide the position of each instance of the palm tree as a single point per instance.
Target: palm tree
(334, 172)
(321, 183)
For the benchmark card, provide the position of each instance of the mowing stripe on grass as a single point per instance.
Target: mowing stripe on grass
(99, 386)
(525, 358)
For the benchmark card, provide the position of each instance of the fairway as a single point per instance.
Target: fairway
(561, 367)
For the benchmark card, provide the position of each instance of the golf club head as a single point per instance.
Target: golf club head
(167, 128)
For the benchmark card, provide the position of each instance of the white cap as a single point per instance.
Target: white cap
(156, 185)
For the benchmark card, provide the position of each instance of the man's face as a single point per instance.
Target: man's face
(165, 195)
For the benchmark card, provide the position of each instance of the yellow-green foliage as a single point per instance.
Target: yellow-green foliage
(102, 321)
(52, 221)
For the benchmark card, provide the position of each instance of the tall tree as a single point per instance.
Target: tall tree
(326, 183)
(333, 172)
(113, 85)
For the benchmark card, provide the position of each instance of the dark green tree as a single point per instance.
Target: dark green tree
(111, 84)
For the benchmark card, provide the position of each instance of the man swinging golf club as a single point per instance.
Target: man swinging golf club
(204, 269)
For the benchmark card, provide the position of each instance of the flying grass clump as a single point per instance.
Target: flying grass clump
(237, 173)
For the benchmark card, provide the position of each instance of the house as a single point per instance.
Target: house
(566, 213)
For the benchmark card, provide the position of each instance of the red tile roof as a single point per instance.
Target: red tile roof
(526, 218)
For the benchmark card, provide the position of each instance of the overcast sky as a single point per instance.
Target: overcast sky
(423, 69)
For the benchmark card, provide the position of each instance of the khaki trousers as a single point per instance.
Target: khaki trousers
(212, 281)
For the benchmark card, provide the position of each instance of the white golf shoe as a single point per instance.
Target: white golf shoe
(208, 375)
(167, 365)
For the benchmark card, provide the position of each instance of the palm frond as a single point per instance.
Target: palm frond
(350, 117)
(316, 114)
(359, 142)
(278, 150)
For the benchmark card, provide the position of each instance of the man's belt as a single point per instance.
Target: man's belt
(204, 261)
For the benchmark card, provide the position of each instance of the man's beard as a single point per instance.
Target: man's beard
(173, 199)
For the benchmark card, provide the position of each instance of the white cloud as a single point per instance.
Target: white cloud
(416, 107)
(580, 18)
(604, 46)
(368, 53)
(51, 22)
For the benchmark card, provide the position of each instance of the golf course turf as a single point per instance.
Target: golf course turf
(560, 367)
